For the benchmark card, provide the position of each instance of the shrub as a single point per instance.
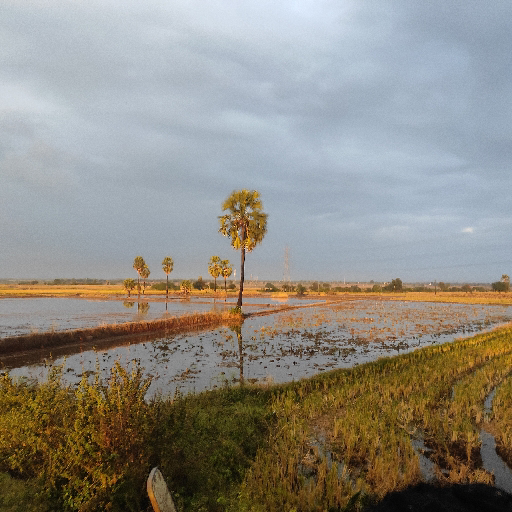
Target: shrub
(88, 447)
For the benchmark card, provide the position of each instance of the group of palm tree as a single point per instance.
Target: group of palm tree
(217, 268)
(245, 223)
(143, 272)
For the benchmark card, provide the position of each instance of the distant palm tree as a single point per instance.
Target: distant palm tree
(144, 273)
(214, 269)
(227, 269)
(245, 224)
(138, 265)
(167, 266)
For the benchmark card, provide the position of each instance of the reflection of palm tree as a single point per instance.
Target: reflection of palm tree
(237, 329)
(142, 307)
(128, 304)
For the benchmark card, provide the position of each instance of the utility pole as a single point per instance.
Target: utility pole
(286, 273)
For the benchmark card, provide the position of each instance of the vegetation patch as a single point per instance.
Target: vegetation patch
(341, 439)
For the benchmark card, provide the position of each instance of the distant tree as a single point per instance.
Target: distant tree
(129, 285)
(314, 287)
(376, 288)
(245, 224)
(499, 286)
(199, 284)
(270, 287)
(226, 271)
(301, 289)
(144, 273)
(506, 280)
(395, 285)
(215, 269)
(138, 265)
(167, 266)
(325, 287)
(186, 286)
(466, 288)
(287, 287)
(444, 286)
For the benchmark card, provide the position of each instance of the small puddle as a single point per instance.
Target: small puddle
(427, 467)
(491, 461)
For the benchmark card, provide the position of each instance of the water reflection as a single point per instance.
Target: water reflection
(128, 304)
(237, 329)
(280, 347)
(143, 307)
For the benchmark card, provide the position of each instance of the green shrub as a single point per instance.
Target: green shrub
(89, 447)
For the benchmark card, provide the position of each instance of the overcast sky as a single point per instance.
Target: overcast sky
(379, 134)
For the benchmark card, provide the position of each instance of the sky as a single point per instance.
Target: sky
(378, 134)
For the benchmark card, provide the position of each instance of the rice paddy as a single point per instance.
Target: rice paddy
(363, 398)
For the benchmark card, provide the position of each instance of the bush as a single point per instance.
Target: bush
(92, 448)
(88, 447)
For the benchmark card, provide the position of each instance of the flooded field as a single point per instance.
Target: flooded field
(281, 347)
(26, 315)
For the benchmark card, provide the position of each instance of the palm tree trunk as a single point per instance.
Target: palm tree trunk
(242, 264)
(167, 288)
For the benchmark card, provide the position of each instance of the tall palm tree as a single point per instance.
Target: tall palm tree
(138, 265)
(227, 269)
(144, 273)
(167, 266)
(245, 224)
(214, 269)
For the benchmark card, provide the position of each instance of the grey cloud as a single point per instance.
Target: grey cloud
(360, 124)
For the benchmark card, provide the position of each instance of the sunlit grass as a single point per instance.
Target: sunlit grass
(366, 417)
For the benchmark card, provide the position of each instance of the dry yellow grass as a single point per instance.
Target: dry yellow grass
(117, 291)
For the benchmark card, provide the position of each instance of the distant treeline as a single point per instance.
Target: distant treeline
(395, 285)
(74, 281)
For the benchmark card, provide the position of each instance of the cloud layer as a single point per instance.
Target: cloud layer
(376, 133)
